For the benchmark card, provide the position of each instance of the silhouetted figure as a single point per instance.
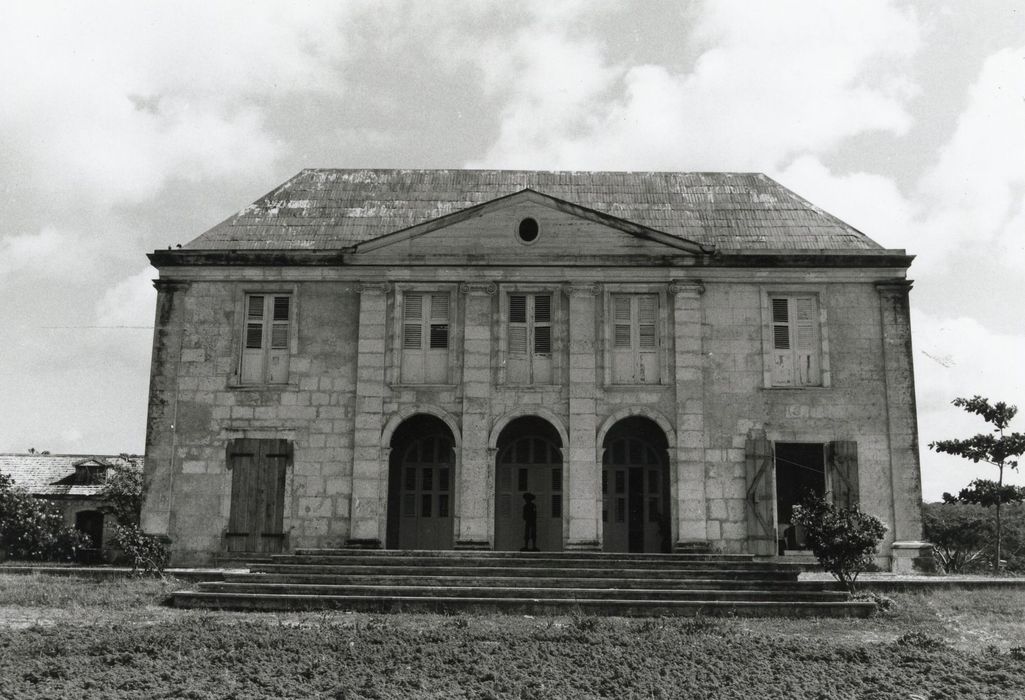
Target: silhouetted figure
(529, 524)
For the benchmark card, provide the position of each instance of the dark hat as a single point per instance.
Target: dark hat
(528, 496)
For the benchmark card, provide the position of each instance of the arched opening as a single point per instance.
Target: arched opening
(421, 478)
(529, 461)
(635, 487)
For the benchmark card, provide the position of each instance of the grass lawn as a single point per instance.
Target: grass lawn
(63, 637)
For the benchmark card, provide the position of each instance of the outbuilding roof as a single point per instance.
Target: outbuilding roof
(52, 475)
(325, 209)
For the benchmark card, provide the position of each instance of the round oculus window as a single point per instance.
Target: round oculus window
(528, 230)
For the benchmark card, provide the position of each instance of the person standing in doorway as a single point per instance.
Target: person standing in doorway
(529, 524)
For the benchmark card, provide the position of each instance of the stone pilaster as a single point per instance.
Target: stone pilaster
(901, 413)
(582, 467)
(161, 445)
(477, 466)
(691, 518)
(369, 463)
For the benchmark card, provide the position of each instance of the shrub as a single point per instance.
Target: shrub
(33, 529)
(148, 553)
(842, 539)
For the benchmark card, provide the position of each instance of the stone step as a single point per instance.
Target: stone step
(416, 579)
(502, 554)
(774, 573)
(488, 589)
(525, 561)
(522, 605)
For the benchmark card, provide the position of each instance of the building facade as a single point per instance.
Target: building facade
(388, 358)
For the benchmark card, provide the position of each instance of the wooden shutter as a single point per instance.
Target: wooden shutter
(529, 339)
(541, 340)
(251, 370)
(436, 355)
(761, 496)
(842, 462)
(624, 365)
(806, 341)
(517, 365)
(256, 516)
(412, 338)
(277, 353)
(782, 345)
(646, 344)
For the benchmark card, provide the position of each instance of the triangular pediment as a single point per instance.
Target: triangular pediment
(497, 228)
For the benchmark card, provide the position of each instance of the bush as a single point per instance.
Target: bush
(963, 536)
(842, 539)
(148, 553)
(33, 529)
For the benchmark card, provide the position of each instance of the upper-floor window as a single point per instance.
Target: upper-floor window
(635, 339)
(266, 336)
(425, 337)
(796, 340)
(529, 339)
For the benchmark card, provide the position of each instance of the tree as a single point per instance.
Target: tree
(31, 528)
(997, 447)
(842, 539)
(124, 492)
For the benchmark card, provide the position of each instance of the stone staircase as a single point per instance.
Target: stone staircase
(523, 583)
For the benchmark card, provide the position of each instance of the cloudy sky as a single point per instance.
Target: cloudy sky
(130, 127)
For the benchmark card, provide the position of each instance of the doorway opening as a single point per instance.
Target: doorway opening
(800, 472)
(529, 461)
(421, 477)
(635, 487)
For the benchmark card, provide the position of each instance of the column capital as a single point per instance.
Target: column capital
(478, 289)
(582, 289)
(170, 286)
(686, 288)
(894, 288)
(373, 287)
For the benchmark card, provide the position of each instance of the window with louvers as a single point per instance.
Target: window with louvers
(635, 341)
(265, 350)
(529, 358)
(425, 337)
(795, 341)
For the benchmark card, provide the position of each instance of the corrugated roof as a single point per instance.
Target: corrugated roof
(39, 474)
(324, 209)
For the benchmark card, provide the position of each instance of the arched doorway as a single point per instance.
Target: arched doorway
(421, 480)
(635, 487)
(529, 460)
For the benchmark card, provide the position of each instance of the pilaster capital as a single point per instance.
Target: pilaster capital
(373, 287)
(686, 288)
(894, 288)
(170, 286)
(479, 289)
(582, 289)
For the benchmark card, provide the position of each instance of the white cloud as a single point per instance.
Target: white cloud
(114, 100)
(782, 79)
(130, 302)
(976, 189)
(50, 252)
(961, 357)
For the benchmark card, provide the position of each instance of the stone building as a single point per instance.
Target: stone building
(75, 484)
(393, 358)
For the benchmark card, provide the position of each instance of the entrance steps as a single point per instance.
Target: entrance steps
(523, 583)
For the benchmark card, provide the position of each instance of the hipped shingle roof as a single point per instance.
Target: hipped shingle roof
(325, 209)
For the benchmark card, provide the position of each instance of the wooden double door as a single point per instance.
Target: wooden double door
(258, 470)
(424, 472)
(635, 498)
(528, 464)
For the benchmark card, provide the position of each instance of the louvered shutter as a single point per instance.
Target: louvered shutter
(782, 352)
(761, 496)
(624, 364)
(277, 355)
(806, 343)
(647, 339)
(541, 330)
(842, 462)
(251, 371)
(412, 338)
(436, 357)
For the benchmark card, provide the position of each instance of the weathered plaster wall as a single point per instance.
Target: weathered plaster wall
(343, 390)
